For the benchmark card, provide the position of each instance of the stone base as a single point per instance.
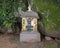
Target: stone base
(30, 37)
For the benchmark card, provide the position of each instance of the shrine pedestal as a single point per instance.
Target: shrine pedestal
(30, 37)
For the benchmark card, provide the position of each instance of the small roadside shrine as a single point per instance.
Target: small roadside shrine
(29, 32)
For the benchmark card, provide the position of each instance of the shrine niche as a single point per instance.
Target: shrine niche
(29, 24)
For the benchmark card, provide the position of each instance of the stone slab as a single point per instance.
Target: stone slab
(30, 37)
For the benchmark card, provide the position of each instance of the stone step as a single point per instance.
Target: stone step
(30, 37)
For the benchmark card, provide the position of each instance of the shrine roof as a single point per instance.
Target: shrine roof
(30, 14)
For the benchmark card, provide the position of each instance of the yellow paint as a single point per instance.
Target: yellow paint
(23, 25)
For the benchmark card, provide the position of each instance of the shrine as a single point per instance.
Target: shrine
(29, 32)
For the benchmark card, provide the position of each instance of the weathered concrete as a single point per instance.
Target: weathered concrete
(30, 37)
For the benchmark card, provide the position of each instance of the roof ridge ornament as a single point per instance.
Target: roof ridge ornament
(29, 8)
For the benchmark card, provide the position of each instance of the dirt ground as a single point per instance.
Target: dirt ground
(12, 41)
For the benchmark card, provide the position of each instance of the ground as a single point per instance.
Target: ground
(12, 41)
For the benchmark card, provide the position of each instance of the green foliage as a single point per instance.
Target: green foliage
(7, 24)
(7, 9)
(50, 11)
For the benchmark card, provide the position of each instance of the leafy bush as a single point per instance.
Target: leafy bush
(50, 11)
